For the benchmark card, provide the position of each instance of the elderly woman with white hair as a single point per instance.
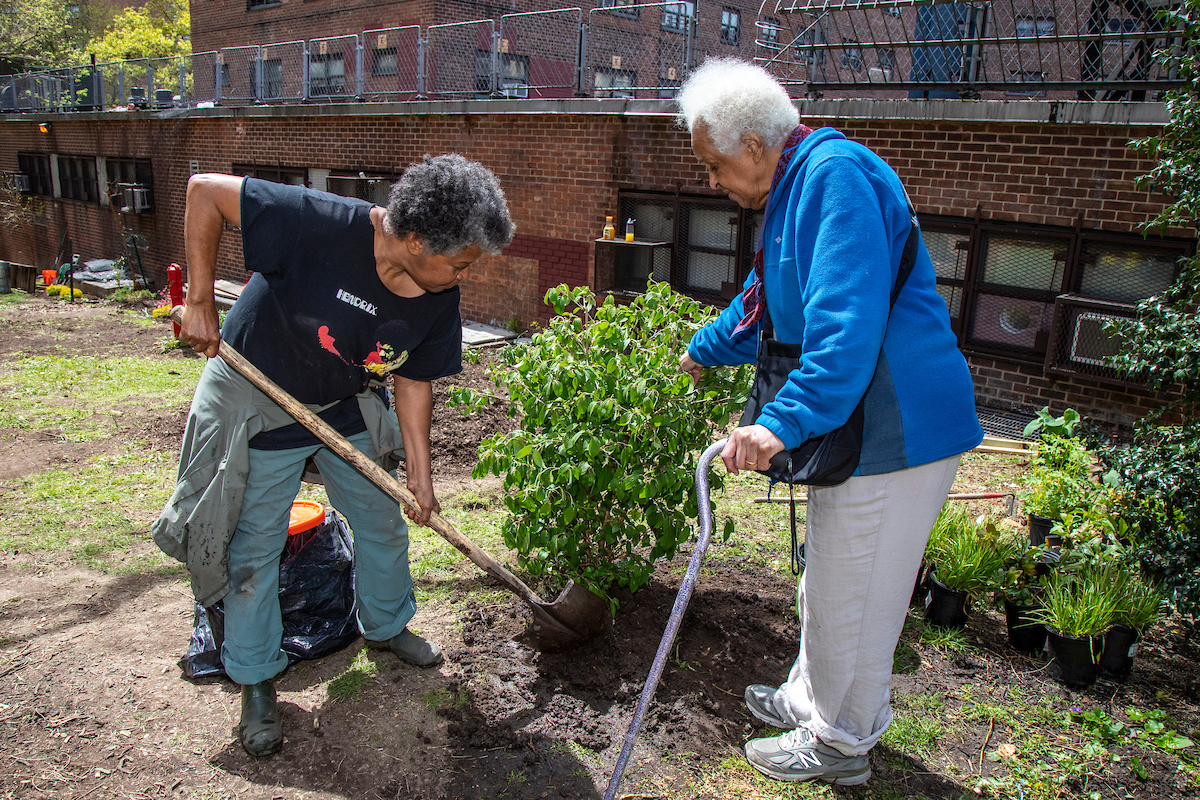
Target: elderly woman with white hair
(833, 238)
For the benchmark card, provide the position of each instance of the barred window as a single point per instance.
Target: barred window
(36, 168)
(77, 178)
(730, 19)
(126, 175)
(614, 82)
(676, 17)
(326, 74)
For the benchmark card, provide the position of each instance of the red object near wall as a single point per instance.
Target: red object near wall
(175, 289)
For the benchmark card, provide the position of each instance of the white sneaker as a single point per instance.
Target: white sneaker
(799, 755)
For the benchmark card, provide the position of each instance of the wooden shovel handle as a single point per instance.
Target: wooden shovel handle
(372, 471)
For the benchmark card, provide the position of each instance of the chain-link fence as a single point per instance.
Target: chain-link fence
(539, 53)
(461, 59)
(639, 50)
(1018, 48)
(392, 67)
(333, 68)
(238, 73)
(281, 72)
(932, 49)
(200, 81)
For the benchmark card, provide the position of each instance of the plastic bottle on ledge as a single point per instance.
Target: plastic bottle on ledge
(629, 229)
(610, 231)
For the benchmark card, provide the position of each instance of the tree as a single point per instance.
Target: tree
(1156, 475)
(33, 33)
(156, 30)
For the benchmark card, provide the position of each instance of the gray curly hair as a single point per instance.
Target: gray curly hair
(451, 203)
(731, 97)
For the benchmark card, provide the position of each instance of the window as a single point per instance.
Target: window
(372, 186)
(295, 176)
(384, 61)
(1035, 26)
(712, 245)
(326, 74)
(1003, 284)
(130, 184)
(852, 55)
(618, 7)
(769, 33)
(614, 83)
(77, 178)
(730, 19)
(887, 58)
(253, 4)
(949, 249)
(808, 46)
(272, 76)
(1123, 25)
(36, 168)
(677, 16)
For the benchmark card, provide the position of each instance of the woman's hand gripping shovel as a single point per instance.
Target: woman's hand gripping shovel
(676, 618)
(575, 616)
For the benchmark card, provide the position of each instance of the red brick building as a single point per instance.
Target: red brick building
(1017, 209)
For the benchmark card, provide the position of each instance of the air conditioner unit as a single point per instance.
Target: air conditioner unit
(1090, 343)
(136, 199)
(19, 181)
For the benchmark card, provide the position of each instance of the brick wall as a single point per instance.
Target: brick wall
(562, 173)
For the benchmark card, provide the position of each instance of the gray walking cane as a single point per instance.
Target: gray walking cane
(673, 622)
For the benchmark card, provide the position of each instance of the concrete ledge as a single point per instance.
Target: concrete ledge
(1060, 112)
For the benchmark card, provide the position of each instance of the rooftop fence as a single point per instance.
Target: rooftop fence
(891, 48)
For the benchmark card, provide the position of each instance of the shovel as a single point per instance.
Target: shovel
(677, 612)
(575, 616)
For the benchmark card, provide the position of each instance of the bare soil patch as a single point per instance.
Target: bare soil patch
(93, 704)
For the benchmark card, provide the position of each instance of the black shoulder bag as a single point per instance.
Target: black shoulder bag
(831, 458)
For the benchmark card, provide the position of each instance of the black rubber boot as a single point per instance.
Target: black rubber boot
(260, 729)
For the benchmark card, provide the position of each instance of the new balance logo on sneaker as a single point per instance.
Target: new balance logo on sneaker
(799, 755)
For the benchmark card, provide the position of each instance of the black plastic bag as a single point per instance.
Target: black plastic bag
(316, 596)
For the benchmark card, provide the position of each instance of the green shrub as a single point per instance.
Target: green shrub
(599, 477)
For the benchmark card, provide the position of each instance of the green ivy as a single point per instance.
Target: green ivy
(599, 477)
(1155, 476)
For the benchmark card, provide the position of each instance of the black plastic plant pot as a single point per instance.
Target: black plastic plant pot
(1077, 658)
(1120, 646)
(1024, 633)
(920, 587)
(945, 607)
(1039, 527)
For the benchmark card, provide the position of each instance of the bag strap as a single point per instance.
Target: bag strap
(908, 259)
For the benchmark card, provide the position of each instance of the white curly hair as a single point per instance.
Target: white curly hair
(730, 97)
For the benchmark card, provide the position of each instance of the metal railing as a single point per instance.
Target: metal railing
(1019, 47)
(1027, 48)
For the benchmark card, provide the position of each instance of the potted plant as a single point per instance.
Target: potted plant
(1020, 582)
(599, 476)
(1059, 479)
(1078, 607)
(1145, 605)
(966, 555)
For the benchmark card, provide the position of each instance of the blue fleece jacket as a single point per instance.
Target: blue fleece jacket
(833, 233)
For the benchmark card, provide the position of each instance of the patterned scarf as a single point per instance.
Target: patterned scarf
(754, 299)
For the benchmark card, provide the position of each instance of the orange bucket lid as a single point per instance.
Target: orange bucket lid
(305, 515)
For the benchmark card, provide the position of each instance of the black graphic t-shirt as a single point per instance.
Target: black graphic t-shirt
(316, 318)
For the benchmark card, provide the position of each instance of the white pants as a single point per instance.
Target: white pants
(863, 545)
